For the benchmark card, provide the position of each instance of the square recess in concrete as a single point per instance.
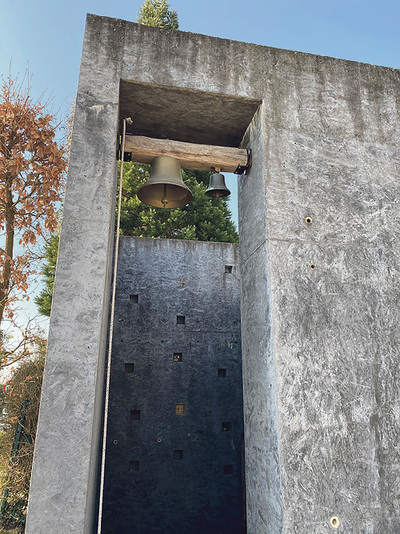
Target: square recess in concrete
(185, 115)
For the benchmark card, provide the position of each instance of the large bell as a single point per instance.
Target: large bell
(165, 187)
(217, 187)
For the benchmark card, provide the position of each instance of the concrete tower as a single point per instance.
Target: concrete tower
(319, 240)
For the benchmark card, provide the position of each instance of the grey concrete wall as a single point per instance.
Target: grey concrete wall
(146, 488)
(263, 480)
(326, 148)
(65, 471)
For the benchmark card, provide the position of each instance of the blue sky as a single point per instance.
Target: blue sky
(46, 36)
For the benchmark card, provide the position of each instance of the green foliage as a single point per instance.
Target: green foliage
(25, 385)
(44, 299)
(157, 13)
(204, 219)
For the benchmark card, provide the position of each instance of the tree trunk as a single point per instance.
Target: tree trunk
(9, 247)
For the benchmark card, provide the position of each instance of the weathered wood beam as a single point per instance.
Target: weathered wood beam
(190, 155)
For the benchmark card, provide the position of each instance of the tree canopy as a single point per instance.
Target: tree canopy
(158, 13)
(32, 166)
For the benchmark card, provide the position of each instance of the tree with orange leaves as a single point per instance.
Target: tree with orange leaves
(32, 170)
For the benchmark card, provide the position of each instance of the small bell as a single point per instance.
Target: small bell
(165, 187)
(217, 187)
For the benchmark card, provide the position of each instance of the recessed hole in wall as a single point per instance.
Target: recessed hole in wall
(226, 426)
(228, 469)
(308, 220)
(180, 319)
(134, 465)
(335, 523)
(178, 454)
(159, 440)
(115, 442)
(177, 356)
(312, 265)
(135, 414)
(222, 373)
(228, 269)
(129, 367)
(134, 298)
(180, 409)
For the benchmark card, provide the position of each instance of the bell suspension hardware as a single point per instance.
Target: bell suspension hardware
(242, 169)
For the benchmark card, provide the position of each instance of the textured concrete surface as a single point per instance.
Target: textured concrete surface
(65, 472)
(157, 281)
(326, 140)
(191, 116)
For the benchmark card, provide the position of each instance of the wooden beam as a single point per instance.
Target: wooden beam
(190, 155)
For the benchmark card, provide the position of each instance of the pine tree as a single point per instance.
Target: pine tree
(44, 299)
(157, 13)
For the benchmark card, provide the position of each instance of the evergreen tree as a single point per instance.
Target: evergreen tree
(43, 301)
(157, 13)
(204, 219)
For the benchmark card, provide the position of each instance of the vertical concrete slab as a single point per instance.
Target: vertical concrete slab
(330, 165)
(262, 460)
(64, 478)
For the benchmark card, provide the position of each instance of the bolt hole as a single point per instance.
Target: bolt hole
(115, 442)
(312, 265)
(335, 523)
(308, 220)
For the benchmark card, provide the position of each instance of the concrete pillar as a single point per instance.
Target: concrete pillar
(319, 241)
(64, 478)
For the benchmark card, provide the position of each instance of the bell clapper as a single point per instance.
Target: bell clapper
(164, 199)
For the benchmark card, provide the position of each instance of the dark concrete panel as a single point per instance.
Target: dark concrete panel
(169, 472)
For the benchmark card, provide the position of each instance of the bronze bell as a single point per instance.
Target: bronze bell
(165, 187)
(217, 187)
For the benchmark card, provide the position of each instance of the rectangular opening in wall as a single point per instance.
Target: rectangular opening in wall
(134, 465)
(222, 372)
(177, 356)
(134, 299)
(135, 414)
(228, 469)
(226, 426)
(180, 319)
(228, 269)
(178, 454)
(129, 368)
(180, 409)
